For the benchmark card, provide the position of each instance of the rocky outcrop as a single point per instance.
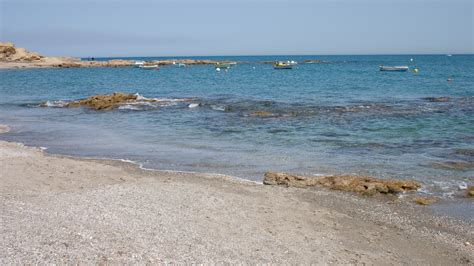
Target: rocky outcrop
(115, 100)
(425, 200)
(12, 57)
(470, 191)
(8, 52)
(104, 102)
(359, 184)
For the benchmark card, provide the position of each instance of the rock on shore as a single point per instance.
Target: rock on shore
(359, 184)
(8, 52)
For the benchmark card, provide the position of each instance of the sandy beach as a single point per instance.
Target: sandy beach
(58, 209)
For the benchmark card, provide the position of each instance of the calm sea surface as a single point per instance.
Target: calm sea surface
(339, 117)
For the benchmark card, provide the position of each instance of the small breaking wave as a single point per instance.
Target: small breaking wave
(57, 104)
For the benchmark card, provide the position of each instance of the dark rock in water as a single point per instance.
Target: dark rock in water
(425, 200)
(104, 102)
(466, 152)
(437, 99)
(458, 165)
(262, 114)
(359, 184)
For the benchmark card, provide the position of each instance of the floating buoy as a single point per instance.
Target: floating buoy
(411, 59)
(416, 70)
(218, 69)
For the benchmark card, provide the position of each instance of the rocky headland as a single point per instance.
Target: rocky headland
(12, 57)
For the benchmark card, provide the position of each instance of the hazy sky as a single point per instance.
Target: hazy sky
(238, 27)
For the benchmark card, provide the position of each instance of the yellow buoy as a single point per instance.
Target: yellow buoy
(416, 70)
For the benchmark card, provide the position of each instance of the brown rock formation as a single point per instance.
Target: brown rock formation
(104, 102)
(8, 52)
(470, 191)
(360, 184)
(425, 200)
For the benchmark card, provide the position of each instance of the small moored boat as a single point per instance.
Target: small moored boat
(222, 65)
(283, 65)
(394, 68)
(149, 67)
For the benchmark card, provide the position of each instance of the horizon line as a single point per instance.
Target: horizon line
(269, 55)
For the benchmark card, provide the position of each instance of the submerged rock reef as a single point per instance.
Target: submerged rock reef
(454, 165)
(360, 184)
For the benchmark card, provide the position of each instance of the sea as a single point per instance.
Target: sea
(340, 115)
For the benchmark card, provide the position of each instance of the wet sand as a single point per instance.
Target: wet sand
(56, 209)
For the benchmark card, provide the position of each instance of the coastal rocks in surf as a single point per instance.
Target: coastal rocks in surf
(120, 100)
(359, 184)
(104, 102)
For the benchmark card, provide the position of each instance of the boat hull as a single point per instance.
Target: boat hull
(148, 67)
(283, 67)
(394, 68)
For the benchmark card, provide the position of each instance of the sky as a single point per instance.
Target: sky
(87, 28)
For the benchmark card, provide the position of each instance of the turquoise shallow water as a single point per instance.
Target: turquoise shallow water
(343, 116)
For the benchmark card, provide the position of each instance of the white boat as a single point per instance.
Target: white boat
(139, 63)
(394, 68)
(148, 67)
(222, 65)
(181, 65)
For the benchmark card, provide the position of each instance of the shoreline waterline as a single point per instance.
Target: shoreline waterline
(83, 201)
(422, 192)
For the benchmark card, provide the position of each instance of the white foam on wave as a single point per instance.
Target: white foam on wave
(218, 108)
(140, 97)
(58, 103)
